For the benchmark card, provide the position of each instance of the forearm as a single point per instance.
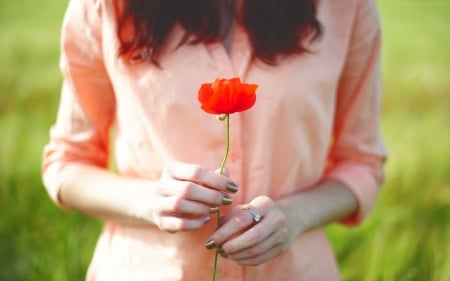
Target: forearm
(103, 194)
(316, 207)
(180, 200)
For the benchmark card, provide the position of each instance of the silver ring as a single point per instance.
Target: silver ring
(255, 215)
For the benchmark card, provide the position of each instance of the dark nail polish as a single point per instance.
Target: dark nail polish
(211, 244)
(222, 253)
(232, 187)
(226, 200)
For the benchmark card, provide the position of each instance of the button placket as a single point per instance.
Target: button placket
(240, 51)
(235, 154)
(221, 60)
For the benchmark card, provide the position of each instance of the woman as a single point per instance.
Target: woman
(307, 154)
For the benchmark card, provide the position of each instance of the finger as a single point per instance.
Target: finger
(193, 192)
(201, 176)
(249, 239)
(275, 239)
(272, 222)
(180, 206)
(238, 222)
(175, 224)
(255, 261)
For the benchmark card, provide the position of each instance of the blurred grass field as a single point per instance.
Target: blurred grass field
(407, 237)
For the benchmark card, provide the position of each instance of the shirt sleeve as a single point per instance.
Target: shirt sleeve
(357, 153)
(87, 104)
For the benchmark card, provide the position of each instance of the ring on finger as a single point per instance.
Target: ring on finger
(256, 217)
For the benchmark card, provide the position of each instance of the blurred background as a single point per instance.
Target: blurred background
(407, 237)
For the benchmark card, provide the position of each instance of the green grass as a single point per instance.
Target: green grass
(37, 240)
(407, 236)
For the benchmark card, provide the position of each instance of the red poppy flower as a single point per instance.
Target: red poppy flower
(226, 96)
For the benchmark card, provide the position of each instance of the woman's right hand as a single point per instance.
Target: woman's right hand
(183, 197)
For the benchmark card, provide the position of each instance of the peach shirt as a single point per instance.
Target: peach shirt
(316, 116)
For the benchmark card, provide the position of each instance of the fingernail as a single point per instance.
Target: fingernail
(211, 244)
(226, 200)
(222, 253)
(206, 219)
(232, 187)
(214, 209)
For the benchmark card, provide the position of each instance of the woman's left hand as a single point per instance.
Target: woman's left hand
(250, 242)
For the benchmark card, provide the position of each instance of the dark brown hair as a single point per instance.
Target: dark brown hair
(275, 27)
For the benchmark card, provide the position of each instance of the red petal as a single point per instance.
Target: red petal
(227, 96)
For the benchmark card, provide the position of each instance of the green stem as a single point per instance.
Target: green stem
(216, 256)
(227, 148)
(222, 167)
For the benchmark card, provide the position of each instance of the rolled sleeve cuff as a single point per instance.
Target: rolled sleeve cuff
(52, 184)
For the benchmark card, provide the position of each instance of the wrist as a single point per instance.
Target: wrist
(318, 206)
(142, 210)
(295, 217)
